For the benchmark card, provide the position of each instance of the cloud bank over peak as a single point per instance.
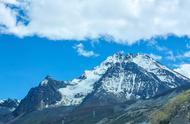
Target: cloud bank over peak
(126, 21)
(184, 70)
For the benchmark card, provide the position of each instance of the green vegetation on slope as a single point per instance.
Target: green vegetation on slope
(164, 115)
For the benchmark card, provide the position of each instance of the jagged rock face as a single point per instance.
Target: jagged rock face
(41, 97)
(118, 79)
(7, 106)
(9, 103)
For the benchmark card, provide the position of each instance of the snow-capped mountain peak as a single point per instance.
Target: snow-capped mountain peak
(117, 79)
(115, 58)
(114, 82)
(75, 93)
(46, 80)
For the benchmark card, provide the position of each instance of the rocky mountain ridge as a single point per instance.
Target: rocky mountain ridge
(120, 78)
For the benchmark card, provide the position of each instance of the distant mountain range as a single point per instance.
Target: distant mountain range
(121, 87)
(10, 104)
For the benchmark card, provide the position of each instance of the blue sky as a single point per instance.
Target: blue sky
(66, 37)
(25, 62)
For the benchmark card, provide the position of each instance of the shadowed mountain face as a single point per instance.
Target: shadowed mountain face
(107, 90)
(7, 107)
(42, 96)
(9, 103)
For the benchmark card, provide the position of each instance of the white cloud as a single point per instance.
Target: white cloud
(156, 57)
(187, 54)
(7, 17)
(125, 20)
(15, 2)
(82, 52)
(184, 69)
(171, 56)
(188, 46)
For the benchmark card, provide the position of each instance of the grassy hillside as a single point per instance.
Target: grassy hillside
(168, 111)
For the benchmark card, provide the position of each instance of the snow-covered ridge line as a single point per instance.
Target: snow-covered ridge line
(1, 101)
(9, 99)
(153, 66)
(125, 81)
(11, 104)
(80, 88)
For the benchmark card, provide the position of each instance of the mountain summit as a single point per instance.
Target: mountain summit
(118, 79)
